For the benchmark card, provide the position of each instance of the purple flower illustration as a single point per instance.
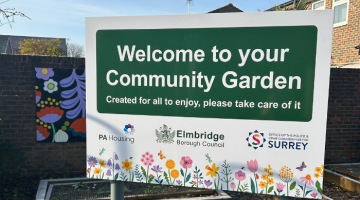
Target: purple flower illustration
(195, 176)
(179, 182)
(116, 157)
(92, 161)
(157, 168)
(44, 73)
(117, 167)
(108, 173)
(76, 96)
(200, 182)
(109, 162)
(50, 114)
(208, 183)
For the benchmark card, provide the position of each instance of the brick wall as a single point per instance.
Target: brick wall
(343, 125)
(18, 114)
(346, 37)
(17, 110)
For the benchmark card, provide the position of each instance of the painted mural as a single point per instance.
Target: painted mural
(60, 105)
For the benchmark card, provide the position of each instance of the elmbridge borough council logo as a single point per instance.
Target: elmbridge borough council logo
(165, 135)
(256, 139)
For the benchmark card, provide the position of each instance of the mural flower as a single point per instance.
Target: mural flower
(232, 185)
(97, 171)
(127, 165)
(147, 159)
(240, 175)
(108, 173)
(262, 184)
(175, 174)
(116, 157)
(170, 164)
(50, 86)
(38, 96)
(186, 162)
(50, 115)
(102, 163)
(280, 187)
(78, 127)
(253, 167)
(157, 168)
(266, 177)
(44, 73)
(208, 183)
(92, 161)
(212, 171)
(179, 182)
(41, 133)
(314, 195)
(61, 136)
(109, 163)
(286, 176)
(117, 166)
(308, 181)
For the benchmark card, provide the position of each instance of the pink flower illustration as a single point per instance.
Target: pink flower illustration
(186, 162)
(280, 186)
(233, 185)
(314, 194)
(307, 180)
(147, 159)
(252, 165)
(240, 175)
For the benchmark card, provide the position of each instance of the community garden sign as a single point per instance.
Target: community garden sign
(226, 101)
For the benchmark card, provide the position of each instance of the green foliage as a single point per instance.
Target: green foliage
(244, 188)
(297, 193)
(252, 186)
(150, 179)
(123, 176)
(227, 172)
(166, 178)
(116, 176)
(293, 185)
(41, 47)
(138, 174)
(271, 189)
(9, 155)
(297, 5)
(318, 187)
(143, 170)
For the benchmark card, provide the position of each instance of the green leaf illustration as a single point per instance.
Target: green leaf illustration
(182, 172)
(116, 176)
(143, 170)
(293, 185)
(301, 187)
(271, 189)
(188, 177)
(161, 181)
(150, 179)
(261, 191)
(318, 187)
(308, 192)
(252, 186)
(275, 193)
(166, 178)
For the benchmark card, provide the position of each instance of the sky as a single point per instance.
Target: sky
(66, 18)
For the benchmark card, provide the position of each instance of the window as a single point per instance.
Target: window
(318, 5)
(341, 8)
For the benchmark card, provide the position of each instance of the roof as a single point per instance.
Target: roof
(226, 9)
(3, 43)
(14, 42)
(288, 3)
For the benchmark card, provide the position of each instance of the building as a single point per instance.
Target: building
(9, 44)
(226, 9)
(346, 33)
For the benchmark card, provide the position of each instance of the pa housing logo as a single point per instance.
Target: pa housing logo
(256, 139)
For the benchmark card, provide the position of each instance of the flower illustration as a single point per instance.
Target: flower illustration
(126, 165)
(151, 175)
(92, 161)
(97, 171)
(174, 174)
(38, 96)
(262, 184)
(109, 163)
(263, 176)
(116, 157)
(195, 176)
(280, 187)
(200, 182)
(208, 183)
(286, 176)
(41, 133)
(157, 169)
(44, 73)
(170, 164)
(108, 173)
(179, 182)
(240, 175)
(313, 194)
(307, 180)
(50, 86)
(270, 181)
(117, 166)
(78, 127)
(318, 169)
(316, 175)
(252, 165)
(232, 185)
(102, 163)
(194, 182)
(186, 162)
(147, 159)
(271, 174)
(212, 171)
(50, 114)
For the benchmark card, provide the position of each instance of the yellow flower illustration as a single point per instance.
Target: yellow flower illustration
(170, 164)
(174, 173)
(263, 176)
(271, 181)
(266, 169)
(212, 171)
(286, 174)
(271, 174)
(316, 175)
(270, 168)
(262, 184)
(318, 169)
(127, 165)
(97, 171)
(102, 163)
(322, 166)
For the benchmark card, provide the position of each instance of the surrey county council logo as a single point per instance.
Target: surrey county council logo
(165, 135)
(256, 139)
(129, 129)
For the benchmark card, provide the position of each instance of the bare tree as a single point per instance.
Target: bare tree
(75, 50)
(8, 15)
